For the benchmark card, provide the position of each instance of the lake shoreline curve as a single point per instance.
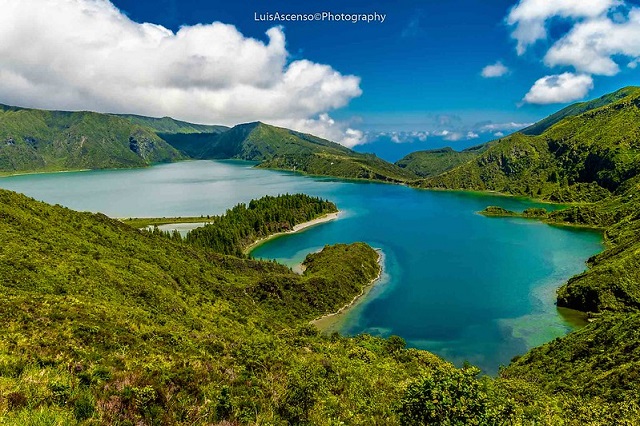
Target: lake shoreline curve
(297, 228)
(365, 290)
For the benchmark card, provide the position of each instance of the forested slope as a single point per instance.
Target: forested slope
(582, 158)
(244, 224)
(436, 161)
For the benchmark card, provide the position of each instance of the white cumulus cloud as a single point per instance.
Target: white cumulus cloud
(591, 46)
(596, 37)
(529, 17)
(561, 88)
(495, 70)
(88, 55)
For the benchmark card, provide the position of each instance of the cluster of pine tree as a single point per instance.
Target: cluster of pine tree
(242, 225)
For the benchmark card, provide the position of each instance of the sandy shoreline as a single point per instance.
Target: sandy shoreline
(43, 172)
(318, 322)
(297, 228)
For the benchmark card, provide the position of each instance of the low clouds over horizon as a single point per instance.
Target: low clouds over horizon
(484, 130)
(87, 54)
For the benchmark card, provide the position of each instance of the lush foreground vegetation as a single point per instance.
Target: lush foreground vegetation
(106, 324)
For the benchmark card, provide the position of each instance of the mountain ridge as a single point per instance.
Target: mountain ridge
(285, 149)
(33, 140)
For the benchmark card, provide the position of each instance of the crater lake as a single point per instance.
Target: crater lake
(456, 283)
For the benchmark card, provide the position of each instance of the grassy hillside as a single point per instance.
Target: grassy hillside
(279, 148)
(436, 161)
(582, 158)
(602, 359)
(37, 140)
(102, 321)
(577, 109)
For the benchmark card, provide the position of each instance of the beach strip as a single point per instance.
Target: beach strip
(297, 228)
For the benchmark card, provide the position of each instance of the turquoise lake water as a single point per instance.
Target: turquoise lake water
(466, 287)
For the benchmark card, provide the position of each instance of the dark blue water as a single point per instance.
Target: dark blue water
(456, 283)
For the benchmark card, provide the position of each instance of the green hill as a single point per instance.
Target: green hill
(37, 140)
(436, 161)
(602, 359)
(577, 109)
(279, 148)
(584, 157)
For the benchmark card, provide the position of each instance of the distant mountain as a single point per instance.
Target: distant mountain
(37, 140)
(279, 148)
(435, 161)
(33, 140)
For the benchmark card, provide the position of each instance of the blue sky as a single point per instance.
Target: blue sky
(420, 72)
(424, 61)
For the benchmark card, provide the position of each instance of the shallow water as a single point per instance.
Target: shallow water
(462, 285)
